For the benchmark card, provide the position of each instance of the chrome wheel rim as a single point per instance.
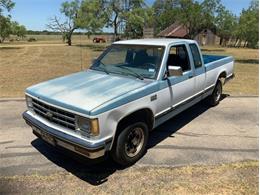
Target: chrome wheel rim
(134, 142)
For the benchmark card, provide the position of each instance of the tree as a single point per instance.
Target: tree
(136, 20)
(210, 9)
(8, 27)
(165, 14)
(5, 28)
(5, 21)
(225, 24)
(136, 17)
(6, 4)
(130, 15)
(67, 27)
(18, 30)
(190, 15)
(114, 10)
(90, 17)
(249, 24)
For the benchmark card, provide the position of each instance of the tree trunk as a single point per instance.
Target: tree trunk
(235, 42)
(225, 42)
(115, 26)
(245, 44)
(69, 40)
(69, 37)
(221, 41)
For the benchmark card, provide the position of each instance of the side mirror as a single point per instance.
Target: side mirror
(175, 71)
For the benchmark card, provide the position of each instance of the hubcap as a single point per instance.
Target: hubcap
(134, 142)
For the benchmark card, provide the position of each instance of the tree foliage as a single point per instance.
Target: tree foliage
(165, 13)
(190, 15)
(6, 5)
(136, 17)
(18, 30)
(114, 14)
(225, 24)
(90, 17)
(193, 15)
(130, 16)
(5, 21)
(5, 28)
(249, 24)
(209, 14)
(136, 20)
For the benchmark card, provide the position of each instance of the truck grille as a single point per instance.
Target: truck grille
(54, 115)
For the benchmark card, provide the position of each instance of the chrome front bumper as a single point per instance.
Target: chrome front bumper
(75, 144)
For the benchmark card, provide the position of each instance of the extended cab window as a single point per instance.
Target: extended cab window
(178, 56)
(196, 55)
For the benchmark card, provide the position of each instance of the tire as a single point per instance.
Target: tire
(126, 150)
(215, 97)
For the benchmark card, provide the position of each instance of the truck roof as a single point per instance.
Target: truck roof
(159, 41)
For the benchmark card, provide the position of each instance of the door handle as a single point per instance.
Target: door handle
(190, 76)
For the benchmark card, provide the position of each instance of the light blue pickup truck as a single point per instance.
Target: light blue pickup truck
(131, 88)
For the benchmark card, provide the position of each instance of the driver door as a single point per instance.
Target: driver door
(182, 88)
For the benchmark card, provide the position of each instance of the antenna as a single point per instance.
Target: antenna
(81, 64)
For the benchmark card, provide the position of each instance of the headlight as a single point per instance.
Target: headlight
(87, 126)
(29, 103)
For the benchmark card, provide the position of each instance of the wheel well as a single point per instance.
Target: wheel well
(144, 115)
(222, 77)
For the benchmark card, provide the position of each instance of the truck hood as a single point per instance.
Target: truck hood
(84, 91)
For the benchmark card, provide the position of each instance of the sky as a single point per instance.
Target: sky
(35, 14)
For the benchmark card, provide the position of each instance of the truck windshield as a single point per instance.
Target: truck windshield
(139, 61)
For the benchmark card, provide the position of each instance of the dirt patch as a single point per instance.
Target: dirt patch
(234, 178)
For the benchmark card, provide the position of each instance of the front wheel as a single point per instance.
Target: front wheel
(215, 97)
(131, 144)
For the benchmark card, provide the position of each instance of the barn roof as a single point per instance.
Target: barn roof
(174, 30)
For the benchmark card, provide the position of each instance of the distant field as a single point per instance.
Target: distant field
(57, 39)
(23, 64)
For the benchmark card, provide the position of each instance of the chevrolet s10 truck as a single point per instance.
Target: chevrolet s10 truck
(131, 88)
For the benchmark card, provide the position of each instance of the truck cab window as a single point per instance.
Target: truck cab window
(178, 56)
(141, 61)
(196, 55)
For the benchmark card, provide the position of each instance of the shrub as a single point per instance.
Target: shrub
(32, 39)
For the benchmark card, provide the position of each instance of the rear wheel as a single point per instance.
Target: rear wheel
(215, 97)
(131, 144)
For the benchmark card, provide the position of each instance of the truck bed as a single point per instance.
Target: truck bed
(213, 61)
(211, 58)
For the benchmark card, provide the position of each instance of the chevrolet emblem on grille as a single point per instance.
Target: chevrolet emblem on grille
(49, 115)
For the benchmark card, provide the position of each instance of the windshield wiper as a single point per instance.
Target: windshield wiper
(103, 67)
(132, 72)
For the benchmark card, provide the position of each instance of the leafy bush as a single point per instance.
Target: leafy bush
(32, 39)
